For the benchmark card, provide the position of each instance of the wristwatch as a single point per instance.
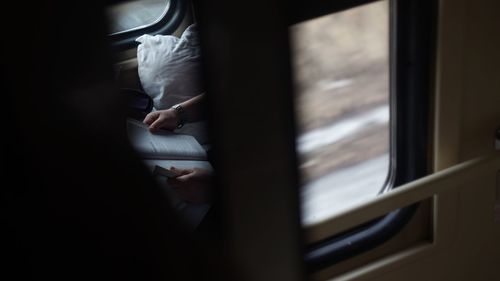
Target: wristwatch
(181, 113)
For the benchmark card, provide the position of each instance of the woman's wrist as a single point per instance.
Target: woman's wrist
(180, 114)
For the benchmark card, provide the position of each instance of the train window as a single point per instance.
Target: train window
(363, 82)
(135, 14)
(341, 80)
(130, 19)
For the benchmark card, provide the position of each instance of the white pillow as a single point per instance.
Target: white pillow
(169, 67)
(170, 72)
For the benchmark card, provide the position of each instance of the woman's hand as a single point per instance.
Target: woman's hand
(162, 119)
(192, 185)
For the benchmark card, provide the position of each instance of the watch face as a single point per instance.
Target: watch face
(178, 108)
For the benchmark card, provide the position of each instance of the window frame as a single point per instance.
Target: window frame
(412, 42)
(167, 24)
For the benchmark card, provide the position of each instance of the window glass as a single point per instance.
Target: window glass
(133, 14)
(341, 80)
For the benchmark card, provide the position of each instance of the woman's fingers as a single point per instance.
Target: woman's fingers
(156, 125)
(151, 117)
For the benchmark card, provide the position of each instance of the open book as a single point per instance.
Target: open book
(163, 144)
(167, 149)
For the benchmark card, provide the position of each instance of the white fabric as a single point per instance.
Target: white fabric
(169, 67)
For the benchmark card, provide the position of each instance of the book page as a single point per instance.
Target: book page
(196, 129)
(164, 144)
(181, 164)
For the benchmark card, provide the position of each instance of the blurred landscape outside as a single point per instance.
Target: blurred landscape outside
(132, 14)
(341, 76)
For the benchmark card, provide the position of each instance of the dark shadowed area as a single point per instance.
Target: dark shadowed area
(78, 202)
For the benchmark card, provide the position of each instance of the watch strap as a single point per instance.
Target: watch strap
(181, 113)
